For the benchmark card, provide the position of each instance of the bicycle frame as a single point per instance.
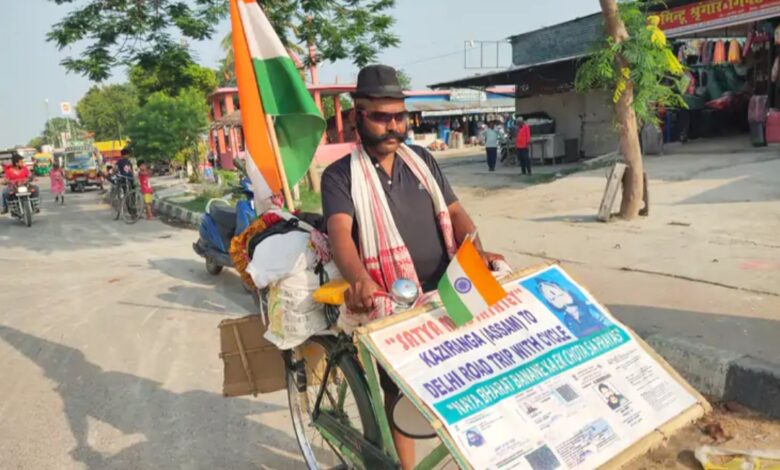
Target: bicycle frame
(353, 445)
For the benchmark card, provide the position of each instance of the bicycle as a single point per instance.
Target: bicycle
(126, 199)
(336, 403)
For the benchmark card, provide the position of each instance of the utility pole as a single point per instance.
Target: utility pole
(46, 105)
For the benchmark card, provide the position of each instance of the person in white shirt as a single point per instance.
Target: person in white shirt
(490, 139)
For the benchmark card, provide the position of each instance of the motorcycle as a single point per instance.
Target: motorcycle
(21, 202)
(220, 223)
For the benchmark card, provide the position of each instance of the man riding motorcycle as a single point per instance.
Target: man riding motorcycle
(15, 174)
(390, 212)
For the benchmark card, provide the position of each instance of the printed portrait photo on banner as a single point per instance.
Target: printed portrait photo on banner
(475, 438)
(611, 397)
(567, 302)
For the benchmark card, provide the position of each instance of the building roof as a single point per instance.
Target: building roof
(455, 108)
(229, 120)
(330, 90)
(551, 76)
(536, 54)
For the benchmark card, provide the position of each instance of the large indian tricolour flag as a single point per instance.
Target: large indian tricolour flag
(468, 288)
(269, 84)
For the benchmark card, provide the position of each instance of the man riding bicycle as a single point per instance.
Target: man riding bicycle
(390, 213)
(124, 168)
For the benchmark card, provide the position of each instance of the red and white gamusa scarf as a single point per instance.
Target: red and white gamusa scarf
(382, 249)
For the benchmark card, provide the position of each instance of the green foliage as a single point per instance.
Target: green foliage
(310, 201)
(54, 127)
(340, 29)
(404, 80)
(148, 32)
(170, 73)
(166, 125)
(129, 32)
(36, 142)
(328, 109)
(651, 66)
(191, 154)
(226, 73)
(228, 177)
(106, 110)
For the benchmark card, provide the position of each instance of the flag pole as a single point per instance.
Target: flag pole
(278, 157)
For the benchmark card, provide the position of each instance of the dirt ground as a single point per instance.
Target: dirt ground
(741, 429)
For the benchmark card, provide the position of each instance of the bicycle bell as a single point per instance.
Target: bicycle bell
(404, 292)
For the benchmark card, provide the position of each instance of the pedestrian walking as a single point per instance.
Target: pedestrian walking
(522, 141)
(57, 179)
(490, 140)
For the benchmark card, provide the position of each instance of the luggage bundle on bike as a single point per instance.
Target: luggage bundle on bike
(276, 256)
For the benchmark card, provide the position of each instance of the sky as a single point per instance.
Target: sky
(432, 32)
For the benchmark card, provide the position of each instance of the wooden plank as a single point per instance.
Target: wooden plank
(244, 360)
(611, 191)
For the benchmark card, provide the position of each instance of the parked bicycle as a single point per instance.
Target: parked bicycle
(126, 199)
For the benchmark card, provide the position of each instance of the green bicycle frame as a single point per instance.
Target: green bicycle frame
(352, 444)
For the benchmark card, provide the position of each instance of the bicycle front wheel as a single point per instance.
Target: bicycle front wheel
(345, 398)
(117, 201)
(134, 204)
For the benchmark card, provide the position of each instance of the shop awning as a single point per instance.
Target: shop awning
(456, 108)
(546, 77)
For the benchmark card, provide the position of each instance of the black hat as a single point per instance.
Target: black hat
(378, 81)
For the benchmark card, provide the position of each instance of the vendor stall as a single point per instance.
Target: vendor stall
(732, 52)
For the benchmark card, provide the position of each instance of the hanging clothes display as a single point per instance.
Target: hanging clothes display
(735, 52)
(719, 54)
(705, 53)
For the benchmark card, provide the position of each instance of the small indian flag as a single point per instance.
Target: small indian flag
(468, 288)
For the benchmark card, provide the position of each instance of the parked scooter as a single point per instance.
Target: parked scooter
(21, 202)
(220, 223)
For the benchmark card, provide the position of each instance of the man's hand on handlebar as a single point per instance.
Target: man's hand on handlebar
(360, 296)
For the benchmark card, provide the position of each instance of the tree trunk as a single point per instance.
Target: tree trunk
(626, 119)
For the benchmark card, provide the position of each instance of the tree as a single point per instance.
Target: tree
(329, 110)
(36, 142)
(166, 125)
(340, 29)
(404, 80)
(54, 127)
(171, 73)
(636, 65)
(131, 32)
(106, 110)
(226, 74)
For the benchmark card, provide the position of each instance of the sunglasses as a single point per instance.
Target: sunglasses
(384, 118)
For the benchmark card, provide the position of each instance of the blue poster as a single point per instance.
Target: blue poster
(569, 304)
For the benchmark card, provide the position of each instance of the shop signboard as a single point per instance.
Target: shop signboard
(467, 95)
(711, 14)
(546, 379)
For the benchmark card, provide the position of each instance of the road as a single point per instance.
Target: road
(109, 350)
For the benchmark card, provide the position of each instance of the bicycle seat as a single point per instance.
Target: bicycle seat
(331, 293)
